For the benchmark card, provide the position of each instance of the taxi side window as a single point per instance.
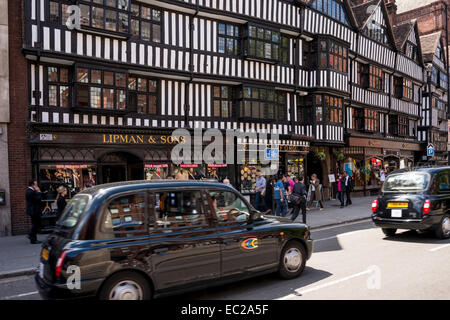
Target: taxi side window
(443, 182)
(177, 210)
(229, 207)
(126, 214)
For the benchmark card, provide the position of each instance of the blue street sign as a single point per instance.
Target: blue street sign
(430, 150)
(271, 154)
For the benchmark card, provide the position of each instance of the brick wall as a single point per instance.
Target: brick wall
(430, 18)
(19, 151)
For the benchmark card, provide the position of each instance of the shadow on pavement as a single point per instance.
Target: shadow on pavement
(327, 240)
(266, 287)
(415, 237)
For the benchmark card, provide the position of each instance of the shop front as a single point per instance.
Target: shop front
(79, 160)
(291, 160)
(365, 158)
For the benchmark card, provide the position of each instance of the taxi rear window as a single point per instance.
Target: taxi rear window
(407, 181)
(73, 211)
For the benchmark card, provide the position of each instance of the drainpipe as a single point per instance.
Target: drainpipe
(188, 107)
(37, 93)
(297, 66)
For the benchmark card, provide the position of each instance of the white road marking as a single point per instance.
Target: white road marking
(440, 247)
(341, 235)
(342, 225)
(20, 295)
(325, 285)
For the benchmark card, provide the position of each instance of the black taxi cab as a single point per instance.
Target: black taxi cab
(140, 240)
(415, 199)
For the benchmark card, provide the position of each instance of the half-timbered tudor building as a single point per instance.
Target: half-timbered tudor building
(433, 128)
(326, 75)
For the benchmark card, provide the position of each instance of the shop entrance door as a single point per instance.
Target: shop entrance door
(120, 166)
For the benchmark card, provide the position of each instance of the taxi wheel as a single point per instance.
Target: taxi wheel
(126, 285)
(292, 260)
(389, 231)
(443, 230)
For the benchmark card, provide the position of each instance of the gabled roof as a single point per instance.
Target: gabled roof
(429, 45)
(401, 34)
(365, 10)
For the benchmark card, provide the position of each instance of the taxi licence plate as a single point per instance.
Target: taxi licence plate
(397, 205)
(45, 254)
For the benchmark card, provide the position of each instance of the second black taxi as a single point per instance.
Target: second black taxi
(141, 240)
(415, 199)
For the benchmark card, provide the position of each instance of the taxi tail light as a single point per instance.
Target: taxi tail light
(374, 206)
(427, 206)
(60, 263)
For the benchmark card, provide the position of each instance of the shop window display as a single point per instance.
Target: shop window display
(76, 177)
(156, 171)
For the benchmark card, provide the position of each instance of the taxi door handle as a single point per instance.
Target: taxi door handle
(228, 242)
(161, 250)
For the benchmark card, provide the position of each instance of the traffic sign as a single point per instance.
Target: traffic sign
(271, 154)
(430, 150)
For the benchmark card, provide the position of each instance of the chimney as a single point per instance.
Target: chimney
(391, 8)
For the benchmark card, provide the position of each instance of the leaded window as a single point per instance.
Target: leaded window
(142, 95)
(146, 23)
(263, 43)
(333, 56)
(58, 87)
(331, 8)
(101, 89)
(262, 103)
(109, 15)
(228, 39)
(222, 101)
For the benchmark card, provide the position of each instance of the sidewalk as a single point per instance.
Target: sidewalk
(333, 214)
(19, 257)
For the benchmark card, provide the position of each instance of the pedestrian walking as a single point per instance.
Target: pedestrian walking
(33, 198)
(61, 200)
(298, 198)
(341, 189)
(267, 193)
(316, 195)
(348, 186)
(279, 195)
(260, 186)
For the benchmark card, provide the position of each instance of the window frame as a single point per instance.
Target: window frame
(103, 211)
(249, 37)
(335, 53)
(213, 216)
(261, 103)
(208, 218)
(236, 39)
(58, 84)
(119, 13)
(102, 86)
(151, 22)
(148, 94)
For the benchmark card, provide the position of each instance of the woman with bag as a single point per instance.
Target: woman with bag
(315, 192)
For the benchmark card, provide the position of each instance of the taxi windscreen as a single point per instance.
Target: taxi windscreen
(407, 181)
(73, 211)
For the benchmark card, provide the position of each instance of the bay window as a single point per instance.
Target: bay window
(333, 56)
(262, 103)
(262, 43)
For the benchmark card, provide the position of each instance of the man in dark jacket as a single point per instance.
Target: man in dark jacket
(300, 189)
(348, 187)
(33, 197)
